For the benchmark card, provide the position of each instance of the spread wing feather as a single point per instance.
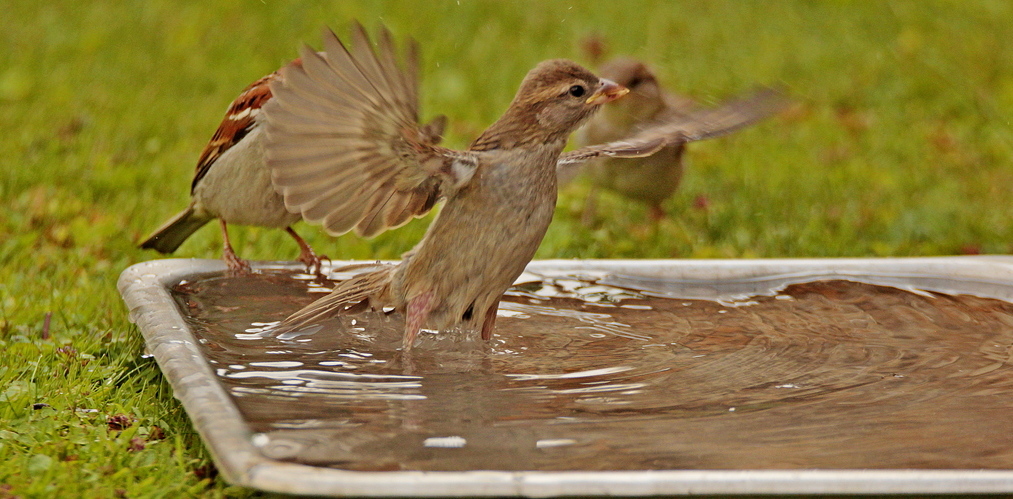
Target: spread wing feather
(344, 144)
(697, 125)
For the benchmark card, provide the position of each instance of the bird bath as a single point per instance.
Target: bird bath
(606, 377)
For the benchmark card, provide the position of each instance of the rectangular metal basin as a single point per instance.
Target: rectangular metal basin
(145, 289)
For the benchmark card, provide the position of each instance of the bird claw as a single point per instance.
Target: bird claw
(314, 263)
(657, 213)
(237, 265)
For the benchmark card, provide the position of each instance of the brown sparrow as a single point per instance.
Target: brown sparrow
(652, 179)
(345, 150)
(232, 183)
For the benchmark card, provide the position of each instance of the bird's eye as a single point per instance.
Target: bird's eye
(577, 91)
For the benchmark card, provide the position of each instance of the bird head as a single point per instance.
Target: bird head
(645, 98)
(554, 99)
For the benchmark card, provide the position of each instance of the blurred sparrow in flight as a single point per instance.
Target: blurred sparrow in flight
(653, 179)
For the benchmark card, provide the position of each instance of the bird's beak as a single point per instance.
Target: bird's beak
(607, 92)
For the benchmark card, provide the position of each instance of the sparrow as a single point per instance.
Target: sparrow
(345, 150)
(233, 184)
(651, 179)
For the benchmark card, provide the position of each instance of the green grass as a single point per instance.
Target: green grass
(899, 143)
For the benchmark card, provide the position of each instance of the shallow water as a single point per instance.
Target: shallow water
(581, 375)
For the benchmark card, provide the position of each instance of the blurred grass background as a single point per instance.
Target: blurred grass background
(899, 144)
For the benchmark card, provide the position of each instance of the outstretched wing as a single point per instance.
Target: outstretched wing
(697, 125)
(344, 144)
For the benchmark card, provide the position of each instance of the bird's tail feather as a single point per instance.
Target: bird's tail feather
(170, 235)
(347, 294)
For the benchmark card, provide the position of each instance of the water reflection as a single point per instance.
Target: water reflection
(597, 372)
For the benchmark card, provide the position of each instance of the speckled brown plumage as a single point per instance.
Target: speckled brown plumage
(231, 183)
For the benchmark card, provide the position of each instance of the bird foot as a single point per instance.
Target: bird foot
(657, 213)
(589, 216)
(314, 263)
(490, 321)
(418, 311)
(237, 266)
